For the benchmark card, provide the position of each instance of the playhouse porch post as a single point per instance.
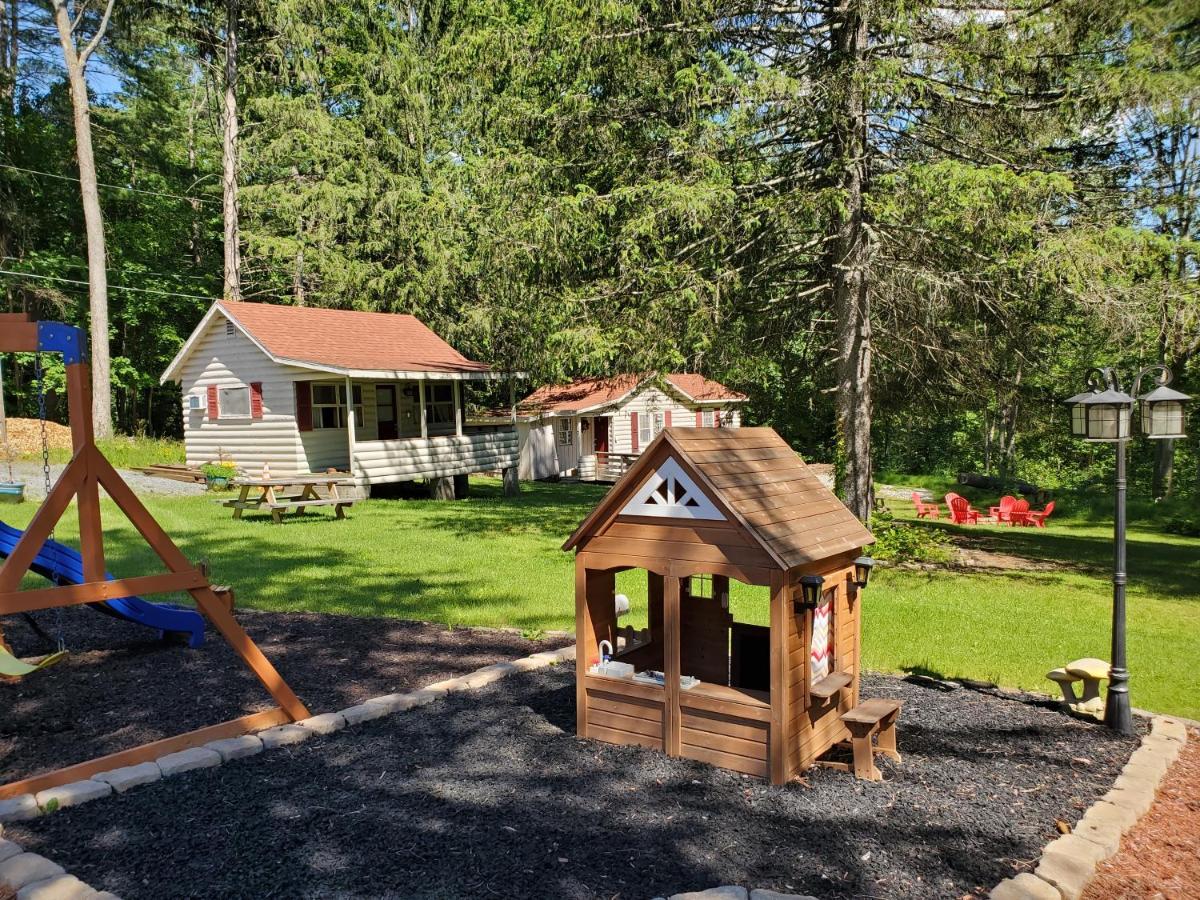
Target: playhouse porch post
(595, 621)
(780, 699)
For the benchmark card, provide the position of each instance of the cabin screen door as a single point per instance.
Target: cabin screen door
(385, 408)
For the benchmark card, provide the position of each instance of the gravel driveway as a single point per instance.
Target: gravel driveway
(31, 473)
(489, 794)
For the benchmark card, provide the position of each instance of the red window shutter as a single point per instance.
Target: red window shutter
(213, 412)
(699, 419)
(633, 431)
(304, 406)
(667, 419)
(256, 400)
(717, 418)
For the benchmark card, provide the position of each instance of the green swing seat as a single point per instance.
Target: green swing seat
(11, 667)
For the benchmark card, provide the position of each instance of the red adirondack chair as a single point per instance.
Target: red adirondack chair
(1001, 513)
(961, 512)
(1019, 514)
(1039, 516)
(932, 510)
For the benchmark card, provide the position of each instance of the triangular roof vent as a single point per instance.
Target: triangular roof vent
(670, 493)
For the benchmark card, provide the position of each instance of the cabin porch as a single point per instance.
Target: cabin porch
(393, 431)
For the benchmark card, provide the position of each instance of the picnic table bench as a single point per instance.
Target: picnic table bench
(272, 495)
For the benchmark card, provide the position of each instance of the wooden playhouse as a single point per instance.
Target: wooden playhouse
(702, 506)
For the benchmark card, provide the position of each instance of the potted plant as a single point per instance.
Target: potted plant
(218, 475)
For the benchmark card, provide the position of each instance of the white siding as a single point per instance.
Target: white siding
(228, 360)
(539, 458)
(406, 459)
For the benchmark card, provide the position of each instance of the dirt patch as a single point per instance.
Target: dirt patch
(120, 688)
(25, 437)
(979, 558)
(490, 794)
(1160, 857)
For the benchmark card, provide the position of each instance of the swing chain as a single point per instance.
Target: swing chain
(41, 380)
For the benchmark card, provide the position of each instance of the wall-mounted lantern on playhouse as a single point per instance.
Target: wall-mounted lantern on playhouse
(862, 571)
(702, 507)
(810, 593)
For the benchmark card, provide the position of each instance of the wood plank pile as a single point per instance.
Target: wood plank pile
(175, 473)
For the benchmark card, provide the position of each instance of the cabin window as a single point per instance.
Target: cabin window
(329, 405)
(233, 402)
(439, 408)
(700, 587)
(649, 426)
(566, 432)
(708, 418)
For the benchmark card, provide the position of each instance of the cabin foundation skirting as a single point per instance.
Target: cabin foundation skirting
(412, 459)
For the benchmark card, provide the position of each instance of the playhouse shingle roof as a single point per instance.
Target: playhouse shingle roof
(766, 485)
(591, 393)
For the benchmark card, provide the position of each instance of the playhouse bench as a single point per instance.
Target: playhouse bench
(874, 718)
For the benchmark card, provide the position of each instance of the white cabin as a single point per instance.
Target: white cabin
(268, 384)
(594, 428)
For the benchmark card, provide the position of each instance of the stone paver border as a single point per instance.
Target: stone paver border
(34, 877)
(1068, 863)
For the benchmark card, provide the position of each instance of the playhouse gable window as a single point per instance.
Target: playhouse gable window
(670, 493)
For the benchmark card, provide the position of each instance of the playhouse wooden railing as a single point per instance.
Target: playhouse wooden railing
(82, 479)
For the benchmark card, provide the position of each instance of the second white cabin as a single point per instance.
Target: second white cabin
(594, 428)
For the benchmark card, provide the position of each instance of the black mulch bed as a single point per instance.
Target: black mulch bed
(488, 794)
(120, 688)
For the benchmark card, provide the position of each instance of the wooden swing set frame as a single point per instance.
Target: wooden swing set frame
(82, 479)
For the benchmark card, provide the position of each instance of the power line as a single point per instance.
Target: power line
(83, 267)
(119, 187)
(115, 287)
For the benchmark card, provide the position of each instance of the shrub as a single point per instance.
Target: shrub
(901, 542)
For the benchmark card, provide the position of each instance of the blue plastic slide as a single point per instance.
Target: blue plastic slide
(63, 565)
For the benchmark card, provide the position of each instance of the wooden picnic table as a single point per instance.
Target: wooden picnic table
(273, 495)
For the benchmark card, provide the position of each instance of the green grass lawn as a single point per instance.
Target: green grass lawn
(492, 561)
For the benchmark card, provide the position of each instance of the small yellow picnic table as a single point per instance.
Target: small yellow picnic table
(273, 494)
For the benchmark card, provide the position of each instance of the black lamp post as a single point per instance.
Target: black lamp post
(1102, 415)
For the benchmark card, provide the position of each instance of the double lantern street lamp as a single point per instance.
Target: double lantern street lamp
(1102, 414)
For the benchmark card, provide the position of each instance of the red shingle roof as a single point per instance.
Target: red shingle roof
(346, 339)
(589, 393)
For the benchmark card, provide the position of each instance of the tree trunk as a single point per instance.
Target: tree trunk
(93, 221)
(851, 260)
(298, 292)
(229, 159)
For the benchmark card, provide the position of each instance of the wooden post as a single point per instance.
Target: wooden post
(421, 411)
(458, 408)
(780, 701)
(584, 642)
(351, 424)
(91, 535)
(671, 667)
